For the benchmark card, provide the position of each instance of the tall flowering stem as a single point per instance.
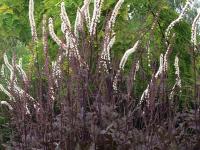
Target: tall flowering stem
(6, 92)
(82, 16)
(7, 104)
(12, 88)
(123, 62)
(78, 23)
(151, 86)
(150, 92)
(178, 78)
(64, 16)
(22, 72)
(105, 55)
(127, 54)
(86, 12)
(55, 37)
(66, 25)
(32, 20)
(194, 31)
(180, 17)
(115, 12)
(45, 49)
(71, 42)
(71, 47)
(96, 15)
(108, 39)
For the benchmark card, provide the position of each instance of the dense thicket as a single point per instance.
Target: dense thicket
(130, 82)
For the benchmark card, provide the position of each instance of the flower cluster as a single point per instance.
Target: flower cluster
(123, 62)
(180, 17)
(54, 36)
(158, 75)
(194, 31)
(127, 54)
(32, 20)
(177, 72)
(96, 15)
(109, 38)
(146, 93)
(178, 78)
(12, 87)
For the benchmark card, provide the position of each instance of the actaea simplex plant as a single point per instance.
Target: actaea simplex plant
(84, 105)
